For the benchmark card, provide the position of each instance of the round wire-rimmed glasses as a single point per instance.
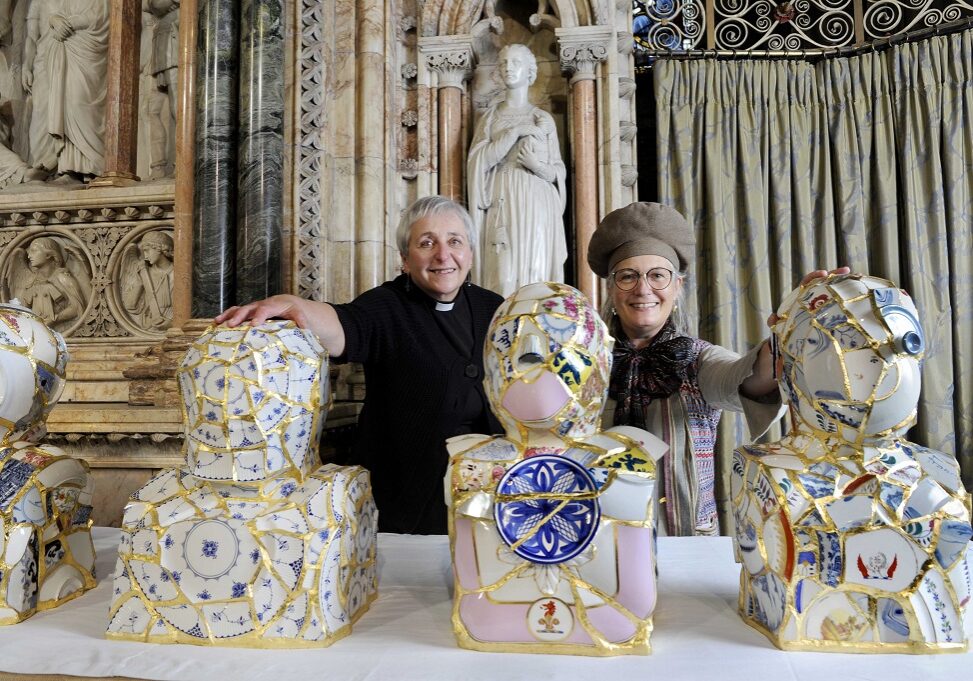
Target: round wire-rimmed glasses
(658, 278)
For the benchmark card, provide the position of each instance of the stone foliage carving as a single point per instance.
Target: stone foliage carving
(93, 272)
(310, 152)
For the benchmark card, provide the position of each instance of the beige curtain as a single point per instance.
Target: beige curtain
(787, 166)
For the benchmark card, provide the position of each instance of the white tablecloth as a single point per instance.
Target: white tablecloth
(407, 635)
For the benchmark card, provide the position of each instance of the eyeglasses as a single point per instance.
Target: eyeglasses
(658, 278)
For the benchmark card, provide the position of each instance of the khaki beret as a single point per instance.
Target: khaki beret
(641, 228)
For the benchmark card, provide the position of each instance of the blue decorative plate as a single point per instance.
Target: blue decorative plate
(540, 485)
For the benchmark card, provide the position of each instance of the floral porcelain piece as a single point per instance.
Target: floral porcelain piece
(551, 525)
(250, 544)
(46, 554)
(851, 538)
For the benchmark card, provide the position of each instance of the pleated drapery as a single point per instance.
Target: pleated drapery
(787, 166)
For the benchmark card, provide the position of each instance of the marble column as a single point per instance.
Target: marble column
(182, 295)
(451, 58)
(214, 211)
(580, 53)
(122, 95)
(260, 176)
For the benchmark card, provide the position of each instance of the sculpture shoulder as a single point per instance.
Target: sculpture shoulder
(628, 448)
(483, 447)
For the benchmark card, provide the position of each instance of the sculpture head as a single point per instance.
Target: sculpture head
(255, 400)
(547, 362)
(33, 359)
(518, 66)
(849, 350)
(155, 245)
(45, 249)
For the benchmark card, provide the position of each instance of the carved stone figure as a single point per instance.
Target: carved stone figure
(45, 496)
(552, 525)
(851, 538)
(50, 277)
(64, 72)
(517, 184)
(251, 543)
(163, 65)
(146, 280)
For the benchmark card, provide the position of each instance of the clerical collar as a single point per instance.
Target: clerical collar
(444, 307)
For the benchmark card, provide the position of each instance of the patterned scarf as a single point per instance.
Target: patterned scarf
(656, 371)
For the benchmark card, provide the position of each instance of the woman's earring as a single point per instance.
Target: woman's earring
(613, 311)
(469, 278)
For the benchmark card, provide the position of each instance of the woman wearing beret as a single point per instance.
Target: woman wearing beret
(663, 380)
(420, 338)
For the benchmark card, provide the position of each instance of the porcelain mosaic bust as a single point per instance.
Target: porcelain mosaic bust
(851, 538)
(551, 525)
(250, 544)
(46, 554)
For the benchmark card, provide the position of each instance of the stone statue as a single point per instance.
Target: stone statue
(851, 538)
(50, 277)
(146, 280)
(517, 184)
(251, 543)
(65, 72)
(552, 525)
(163, 65)
(45, 495)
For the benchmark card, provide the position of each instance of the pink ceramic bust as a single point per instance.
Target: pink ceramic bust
(46, 554)
(551, 525)
(851, 538)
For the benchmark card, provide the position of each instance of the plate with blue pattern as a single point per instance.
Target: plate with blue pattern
(547, 509)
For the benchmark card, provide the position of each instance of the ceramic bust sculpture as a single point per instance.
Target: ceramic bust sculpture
(46, 554)
(517, 184)
(251, 544)
(551, 525)
(851, 538)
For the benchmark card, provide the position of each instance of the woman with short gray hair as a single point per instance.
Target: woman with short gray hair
(420, 338)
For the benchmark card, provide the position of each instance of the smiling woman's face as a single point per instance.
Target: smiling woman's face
(440, 255)
(643, 311)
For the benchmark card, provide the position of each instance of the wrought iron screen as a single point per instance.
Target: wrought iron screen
(771, 26)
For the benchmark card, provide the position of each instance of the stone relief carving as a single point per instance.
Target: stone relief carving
(146, 279)
(517, 187)
(161, 43)
(51, 275)
(310, 153)
(80, 268)
(64, 73)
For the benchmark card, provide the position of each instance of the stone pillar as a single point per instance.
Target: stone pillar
(451, 58)
(580, 51)
(122, 96)
(184, 166)
(260, 176)
(215, 162)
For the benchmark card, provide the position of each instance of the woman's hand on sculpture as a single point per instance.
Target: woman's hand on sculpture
(319, 318)
(807, 279)
(276, 307)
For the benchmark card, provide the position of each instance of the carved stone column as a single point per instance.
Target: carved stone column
(260, 179)
(215, 173)
(451, 58)
(581, 49)
(121, 107)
